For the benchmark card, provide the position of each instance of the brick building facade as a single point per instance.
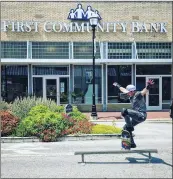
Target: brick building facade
(44, 53)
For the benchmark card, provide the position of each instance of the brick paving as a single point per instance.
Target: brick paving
(154, 115)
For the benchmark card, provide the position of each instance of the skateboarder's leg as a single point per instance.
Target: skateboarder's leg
(132, 118)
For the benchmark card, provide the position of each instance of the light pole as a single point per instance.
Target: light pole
(93, 22)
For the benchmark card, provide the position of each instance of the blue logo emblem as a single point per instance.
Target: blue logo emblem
(80, 14)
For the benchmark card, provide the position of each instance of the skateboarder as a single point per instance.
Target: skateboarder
(138, 113)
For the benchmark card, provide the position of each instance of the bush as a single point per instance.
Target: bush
(8, 123)
(74, 126)
(22, 106)
(43, 123)
(105, 129)
(77, 115)
(4, 106)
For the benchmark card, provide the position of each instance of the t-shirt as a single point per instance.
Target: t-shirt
(138, 102)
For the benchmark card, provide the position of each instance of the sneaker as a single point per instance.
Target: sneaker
(133, 145)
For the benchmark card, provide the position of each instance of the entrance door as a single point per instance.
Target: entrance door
(56, 89)
(154, 98)
(50, 89)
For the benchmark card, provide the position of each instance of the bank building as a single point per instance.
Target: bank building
(47, 51)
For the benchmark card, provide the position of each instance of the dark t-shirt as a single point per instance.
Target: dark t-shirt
(138, 102)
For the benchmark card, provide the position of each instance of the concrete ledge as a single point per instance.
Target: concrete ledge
(18, 139)
(81, 137)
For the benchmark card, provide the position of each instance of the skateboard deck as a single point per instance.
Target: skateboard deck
(125, 140)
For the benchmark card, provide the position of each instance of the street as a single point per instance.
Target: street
(57, 160)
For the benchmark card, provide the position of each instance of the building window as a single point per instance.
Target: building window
(84, 50)
(38, 86)
(154, 50)
(83, 84)
(153, 69)
(14, 82)
(122, 75)
(119, 50)
(50, 50)
(50, 70)
(13, 49)
(166, 89)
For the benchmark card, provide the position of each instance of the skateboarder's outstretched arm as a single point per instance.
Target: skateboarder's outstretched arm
(143, 92)
(123, 90)
(146, 89)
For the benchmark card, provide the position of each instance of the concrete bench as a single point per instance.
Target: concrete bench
(149, 151)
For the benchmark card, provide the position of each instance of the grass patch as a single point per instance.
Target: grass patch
(105, 129)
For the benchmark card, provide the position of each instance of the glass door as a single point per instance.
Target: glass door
(64, 90)
(56, 88)
(51, 89)
(154, 98)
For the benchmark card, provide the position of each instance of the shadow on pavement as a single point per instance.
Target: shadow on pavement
(154, 160)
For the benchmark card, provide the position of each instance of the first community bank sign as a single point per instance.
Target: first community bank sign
(80, 23)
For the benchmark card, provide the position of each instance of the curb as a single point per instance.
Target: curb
(162, 120)
(83, 137)
(18, 139)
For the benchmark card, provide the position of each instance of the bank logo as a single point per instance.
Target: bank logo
(80, 14)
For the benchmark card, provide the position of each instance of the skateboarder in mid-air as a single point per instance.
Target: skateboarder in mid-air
(138, 113)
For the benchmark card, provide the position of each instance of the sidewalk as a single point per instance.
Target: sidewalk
(154, 115)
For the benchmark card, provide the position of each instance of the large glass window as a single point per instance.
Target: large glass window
(83, 84)
(14, 82)
(50, 70)
(119, 50)
(50, 50)
(84, 50)
(166, 89)
(13, 49)
(153, 69)
(154, 50)
(38, 86)
(122, 75)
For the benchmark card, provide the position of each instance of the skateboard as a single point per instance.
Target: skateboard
(125, 140)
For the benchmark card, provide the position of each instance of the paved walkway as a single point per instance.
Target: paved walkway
(156, 115)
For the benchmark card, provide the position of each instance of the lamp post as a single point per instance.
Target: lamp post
(93, 22)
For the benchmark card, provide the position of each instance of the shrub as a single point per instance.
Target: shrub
(74, 126)
(76, 114)
(43, 123)
(22, 106)
(4, 106)
(105, 129)
(8, 123)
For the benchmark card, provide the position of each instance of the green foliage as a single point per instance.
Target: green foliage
(41, 122)
(105, 129)
(4, 106)
(74, 126)
(21, 106)
(8, 123)
(77, 115)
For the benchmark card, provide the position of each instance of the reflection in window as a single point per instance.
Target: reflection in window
(13, 50)
(119, 50)
(38, 86)
(14, 82)
(154, 50)
(122, 75)
(50, 70)
(166, 89)
(50, 50)
(83, 84)
(84, 50)
(153, 69)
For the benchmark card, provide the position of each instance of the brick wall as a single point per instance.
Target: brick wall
(109, 11)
